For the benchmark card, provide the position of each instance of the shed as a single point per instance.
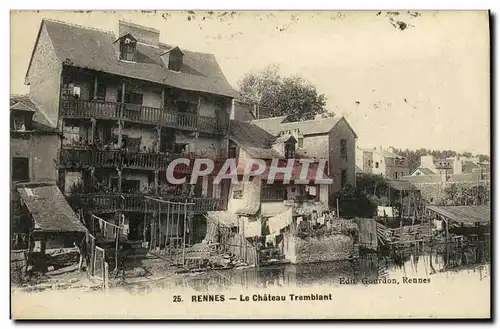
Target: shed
(51, 213)
(466, 215)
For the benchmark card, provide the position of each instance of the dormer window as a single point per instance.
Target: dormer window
(173, 59)
(127, 50)
(290, 150)
(18, 123)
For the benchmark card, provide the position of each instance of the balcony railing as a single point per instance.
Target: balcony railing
(91, 157)
(102, 203)
(77, 108)
(99, 158)
(273, 195)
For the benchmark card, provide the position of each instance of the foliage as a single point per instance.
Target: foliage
(293, 96)
(354, 202)
(466, 195)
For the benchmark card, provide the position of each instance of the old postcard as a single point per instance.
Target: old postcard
(250, 165)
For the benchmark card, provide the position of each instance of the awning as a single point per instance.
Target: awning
(222, 218)
(464, 214)
(49, 209)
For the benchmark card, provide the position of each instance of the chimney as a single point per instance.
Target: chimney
(457, 166)
(143, 34)
(427, 161)
(444, 175)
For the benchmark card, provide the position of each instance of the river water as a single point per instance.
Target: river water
(454, 283)
(420, 263)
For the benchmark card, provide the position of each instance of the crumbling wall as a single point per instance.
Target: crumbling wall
(315, 249)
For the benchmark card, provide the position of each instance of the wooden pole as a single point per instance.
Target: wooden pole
(159, 225)
(177, 235)
(338, 209)
(116, 249)
(167, 223)
(184, 235)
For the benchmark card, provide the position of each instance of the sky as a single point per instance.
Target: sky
(424, 86)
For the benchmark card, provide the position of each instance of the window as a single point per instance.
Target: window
(100, 92)
(343, 149)
(130, 186)
(289, 151)
(301, 142)
(180, 148)
(17, 123)
(127, 49)
(20, 169)
(376, 164)
(343, 178)
(370, 163)
(395, 175)
(174, 62)
(131, 97)
(232, 152)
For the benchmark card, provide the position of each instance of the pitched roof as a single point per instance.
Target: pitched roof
(464, 214)
(254, 140)
(425, 171)
(469, 166)
(85, 47)
(308, 127)
(21, 103)
(271, 125)
(24, 103)
(49, 209)
(401, 185)
(423, 179)
(472, 177)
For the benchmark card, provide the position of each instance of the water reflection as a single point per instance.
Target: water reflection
(412, 262)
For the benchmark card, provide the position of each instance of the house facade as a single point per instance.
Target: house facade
(385, 162)
(452, 166)
(261, 212)
(33, 159)
(126, 105)
(330, 138)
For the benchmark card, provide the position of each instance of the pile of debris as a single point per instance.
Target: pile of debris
(205, 257)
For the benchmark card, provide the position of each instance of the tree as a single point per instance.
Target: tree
(292, 96)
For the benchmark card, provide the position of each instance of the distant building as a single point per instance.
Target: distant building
(451, 166)
(385, 162)
(330, 138)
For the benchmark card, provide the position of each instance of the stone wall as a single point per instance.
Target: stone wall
(318, 249)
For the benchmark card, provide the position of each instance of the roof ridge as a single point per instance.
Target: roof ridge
(78, 25)
(315, 120)
(271, 118)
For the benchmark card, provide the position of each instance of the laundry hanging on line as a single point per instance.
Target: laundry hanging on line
(109, 230)
(271, 240)
(276, 223)
(252, 228)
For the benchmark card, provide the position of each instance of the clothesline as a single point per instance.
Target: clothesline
(108, 223)
(169, 202)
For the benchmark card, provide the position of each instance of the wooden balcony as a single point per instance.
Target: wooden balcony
(82, 109)
(269, 194)
(107, 203)
(99, 158)
(92, 157)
